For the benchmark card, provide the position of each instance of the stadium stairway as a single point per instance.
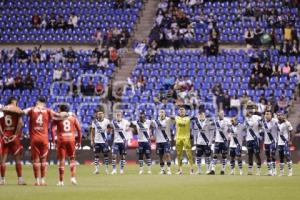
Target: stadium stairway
(142, 31)
(294, 111)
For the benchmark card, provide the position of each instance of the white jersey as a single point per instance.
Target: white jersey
(100, 130)
(253, 127)
(120, 130)
(1, 113)
(143, 130)
(203, 131)
(221, 127)
(284, 132)
(236, 135)
(270, 129)
(163, 130)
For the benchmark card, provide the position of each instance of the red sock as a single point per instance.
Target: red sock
(61, 170)
(19, 169)
(43, 169)
(73, 168)
(36, 169)
(3, 169)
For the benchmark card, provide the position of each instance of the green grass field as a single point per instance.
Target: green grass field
(143, 187)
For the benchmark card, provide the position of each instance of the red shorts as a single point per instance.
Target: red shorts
(65, 148)
(14, 147)
(39, 148)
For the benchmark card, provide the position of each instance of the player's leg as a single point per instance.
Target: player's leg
(224, 152)
(123, 154)
(281, 160)
(3, 163)
(217, 151)
(188, 150)
(105, 151)
(43, 159)
(232, 160)
(96, 157)
(179, 151)
(250, 157)
(140, 153)
(273, 160)
(269, 161)
(70, 150)
(36, 163)
(167, 151)
(258, 160)
(287, 155)
(115, 151)
(18, 148)
(207, 153)
(160, 153)
(61, 156)
(199, 153)
(148, 157)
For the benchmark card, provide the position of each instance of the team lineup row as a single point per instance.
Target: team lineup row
(225, 134)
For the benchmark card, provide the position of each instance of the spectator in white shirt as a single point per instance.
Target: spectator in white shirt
(57, 74)
(9, 82)
(73, 21)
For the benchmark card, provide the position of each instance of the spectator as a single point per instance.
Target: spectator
(57, 74)
(235, 102)
(52, 22)
(89, 89)
(249, 36)
(252, 82)
(99, 89)
(1, 83)
(28, 82)
(261, 106)
(113, 56)
(282, 103)
(168, 82)
(245, 100)
(60, 23)
(226, 103)
(276, 70)
(67, 75)
(287, 33)
(98, 37)
(286, 69)
(44, 21)
(141, 82)
(70, 55)
(262, 82)
(9, 82)
(103, 63)
(36, 21)
(73, 20)
(18, 81)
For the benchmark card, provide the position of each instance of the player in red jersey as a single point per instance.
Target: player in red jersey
(10, 131)
(67, 140)
(39, 119)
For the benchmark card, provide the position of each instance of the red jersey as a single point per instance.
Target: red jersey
(66, 129)
(9, 123)
(39, 122)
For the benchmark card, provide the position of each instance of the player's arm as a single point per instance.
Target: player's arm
(26, 111)
(1, 130)
(79, 133)
(19, 126)
(133, 128)
(59, 116)
(12, 110)
(92, 134)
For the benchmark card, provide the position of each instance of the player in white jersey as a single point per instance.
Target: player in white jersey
(236, 137)
(253, 138)
(100, 127)
(142, 128)
(269, 126)
(120, 126)
(284, 139)
(163, 139)
(202, 129)
(221, 142)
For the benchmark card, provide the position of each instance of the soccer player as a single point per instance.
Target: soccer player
(39, 119)
(252, 126)
(270, 129)
(221, 142)
(100, 128)
(142, 128)
(163, 141)
(236, 137)
(120, 126)
(284, 139)
(66, 131)
(10, 131)
(183, 139)
(202, 128)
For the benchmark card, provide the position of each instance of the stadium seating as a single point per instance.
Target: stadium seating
(15, 19)
(231, 28)
(231, 68)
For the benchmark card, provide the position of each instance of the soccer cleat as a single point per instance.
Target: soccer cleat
(21, 182)
(169, 172)
(258, 173)
(121, 171)
(270, 173)
(241, 173)
(290, 172)
(212, 172)
(106, 171)
(60, 184)
(149, 172)
(37, 184)
(162, 172)
(281, 173)
(192, 172)
(73, 181)
(141, 172)
(96, 171)
(232, 172)
(274, 172)
(43, 184)
(222, 173)
(2, 182)
(199, 172)
(114, 171)
(179, 172)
